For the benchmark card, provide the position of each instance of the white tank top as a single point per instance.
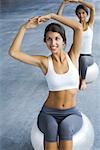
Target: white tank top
(59, 82)
(86, 47)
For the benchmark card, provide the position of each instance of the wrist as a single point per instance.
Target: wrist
(23, 28)
(79, 1)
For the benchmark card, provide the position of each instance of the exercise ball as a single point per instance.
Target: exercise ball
(92, 73)
(82, 140)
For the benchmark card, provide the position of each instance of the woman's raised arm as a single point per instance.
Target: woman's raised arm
(15, 50)
(61, 8)
(92, 11)
(77, 28)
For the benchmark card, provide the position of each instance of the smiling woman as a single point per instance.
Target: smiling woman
(86, 58)
(55, 38)
(59, 111)
(23, 88)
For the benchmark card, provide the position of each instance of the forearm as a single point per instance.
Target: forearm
(66, 21)
(61, 8)
(15, 47)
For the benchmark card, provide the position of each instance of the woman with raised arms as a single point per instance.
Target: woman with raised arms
(59, 118)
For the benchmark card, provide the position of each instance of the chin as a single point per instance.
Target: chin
(82, 19)
(54, 51)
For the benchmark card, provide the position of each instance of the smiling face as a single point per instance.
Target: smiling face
(81, 14)
(54, 37)
(54, 41)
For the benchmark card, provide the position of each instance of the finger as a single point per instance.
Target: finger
(39, 19)
(33, 18)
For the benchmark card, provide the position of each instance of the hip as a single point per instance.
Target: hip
(60, 112)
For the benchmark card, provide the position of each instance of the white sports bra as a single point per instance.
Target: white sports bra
(86, 47)
(59, 82)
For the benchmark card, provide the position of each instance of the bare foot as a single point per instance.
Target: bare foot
(82, 85)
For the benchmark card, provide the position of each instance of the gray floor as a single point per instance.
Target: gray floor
(23, 88)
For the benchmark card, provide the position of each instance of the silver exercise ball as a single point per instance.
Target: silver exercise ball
(92, 73)
(82, 140)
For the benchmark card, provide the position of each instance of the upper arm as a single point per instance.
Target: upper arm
(91, 18)
(28, 59)
(76, 45)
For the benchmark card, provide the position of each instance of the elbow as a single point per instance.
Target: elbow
(92, 7)
(11, 53)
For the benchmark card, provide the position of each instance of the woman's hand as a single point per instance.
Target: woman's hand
(31, 23)
(72, 1)
(43, 19)
(66, 1)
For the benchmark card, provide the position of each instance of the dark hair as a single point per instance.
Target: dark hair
(55, 27)
(81, 7)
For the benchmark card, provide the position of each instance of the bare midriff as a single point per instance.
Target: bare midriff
(61, 99)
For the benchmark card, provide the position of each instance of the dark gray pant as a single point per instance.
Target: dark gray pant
(56, 123)
(84, 62)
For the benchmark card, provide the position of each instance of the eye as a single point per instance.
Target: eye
(78, 13)
(57, 38)
(48, 39)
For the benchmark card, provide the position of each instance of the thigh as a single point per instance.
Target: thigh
(86, 60)
(48, 125)
(69, 126)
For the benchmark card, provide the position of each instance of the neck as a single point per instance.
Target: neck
(59, 57)
(84, 24)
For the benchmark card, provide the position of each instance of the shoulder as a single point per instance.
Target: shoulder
(73, 59)
(44, 64)
(90, 25)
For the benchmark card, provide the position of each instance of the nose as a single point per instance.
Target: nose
(53, 42)
(81, 15)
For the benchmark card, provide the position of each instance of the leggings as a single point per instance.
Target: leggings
(59, 124)
(84, 62)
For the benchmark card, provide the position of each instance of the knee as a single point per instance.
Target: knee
(69, 129)
(66, 132)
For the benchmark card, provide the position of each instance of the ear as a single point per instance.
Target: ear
(64, 45)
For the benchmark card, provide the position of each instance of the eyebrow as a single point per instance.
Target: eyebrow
(51, 37)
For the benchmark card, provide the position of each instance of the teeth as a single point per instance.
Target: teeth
(53, 47)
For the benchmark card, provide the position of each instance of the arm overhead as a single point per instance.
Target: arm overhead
(92, 11)
(76, 27)
(62, 5)
(89, 5)
(61, 8)
(77, 35)
(15, 50)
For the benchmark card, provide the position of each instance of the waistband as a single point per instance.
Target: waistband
(86, 55)
(54, 111)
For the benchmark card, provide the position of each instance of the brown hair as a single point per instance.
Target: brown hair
(55, 27)
(81, 7)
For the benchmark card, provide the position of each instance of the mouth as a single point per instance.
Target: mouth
(53, 48)
(82, 18)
